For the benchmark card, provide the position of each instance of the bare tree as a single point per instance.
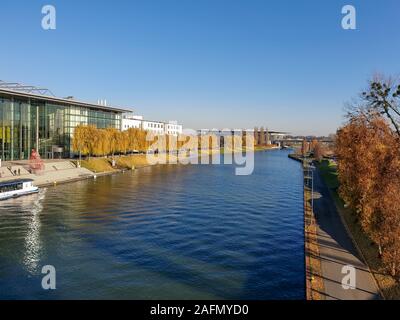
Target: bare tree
(382, 97)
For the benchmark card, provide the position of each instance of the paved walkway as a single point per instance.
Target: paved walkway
(54, 172)
(337, 250)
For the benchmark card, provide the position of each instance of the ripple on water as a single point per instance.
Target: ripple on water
(162, 232)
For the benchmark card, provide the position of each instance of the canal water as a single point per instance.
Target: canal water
(171, 232)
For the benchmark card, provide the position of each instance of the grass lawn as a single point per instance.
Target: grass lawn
(389, 287)
(328, 172)
(132, 161)
(98, 165)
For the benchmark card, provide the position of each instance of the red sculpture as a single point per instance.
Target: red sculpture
(36, 164)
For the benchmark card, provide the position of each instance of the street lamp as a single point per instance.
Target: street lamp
(310, 170)
(312, 187)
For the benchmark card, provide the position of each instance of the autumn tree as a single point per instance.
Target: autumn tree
(123, 142)
(101, 147)
(368, 153)
(267, 137)
(91, 139)
(80, 140)
(112, 135)
(256, 136)
(304, 147)
(262, 136)
(317, 149)
(244, 141)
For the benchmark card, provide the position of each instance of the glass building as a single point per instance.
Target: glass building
(30, 121)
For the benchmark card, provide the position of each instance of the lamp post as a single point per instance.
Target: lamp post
(312, 190)
(312, 187)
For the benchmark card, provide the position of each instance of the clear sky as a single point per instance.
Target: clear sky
(286, 65)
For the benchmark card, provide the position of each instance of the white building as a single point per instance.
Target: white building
(131, 121)
(158, 127)
(173, 128)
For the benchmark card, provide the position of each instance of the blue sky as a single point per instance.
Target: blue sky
(286, 65)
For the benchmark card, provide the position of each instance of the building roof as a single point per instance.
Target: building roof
(61, 100)
(141, 118)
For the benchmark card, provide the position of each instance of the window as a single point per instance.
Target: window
(11, 187)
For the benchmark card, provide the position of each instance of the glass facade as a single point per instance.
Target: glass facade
(27, 124)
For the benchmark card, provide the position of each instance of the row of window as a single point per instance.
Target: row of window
(127, 126)
(155, 125)
(172, 127)
(11, 187)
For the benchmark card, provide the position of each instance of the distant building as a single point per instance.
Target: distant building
(157, 127)
(270, 137)
(173, 128)
(131, 121)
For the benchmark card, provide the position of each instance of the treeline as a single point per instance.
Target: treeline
(261, 137)
(368, 153)
(91, 141)
(314, 147)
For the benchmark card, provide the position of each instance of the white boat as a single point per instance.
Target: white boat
(17, 188)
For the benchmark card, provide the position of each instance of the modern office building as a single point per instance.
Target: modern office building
(30, 119)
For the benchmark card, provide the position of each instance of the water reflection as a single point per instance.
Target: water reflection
(33, 246)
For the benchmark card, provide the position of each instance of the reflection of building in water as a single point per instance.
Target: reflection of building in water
(33, 245)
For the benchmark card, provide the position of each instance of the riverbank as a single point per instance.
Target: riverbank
(55, 172)
(390, 289)
(266, 148)
(296, 157)
(329, 246)
(122, 163)
(313, 277)
(104, 165)
(64, 170)
(314, 282)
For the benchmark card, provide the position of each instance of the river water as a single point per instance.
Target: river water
(164, 232)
